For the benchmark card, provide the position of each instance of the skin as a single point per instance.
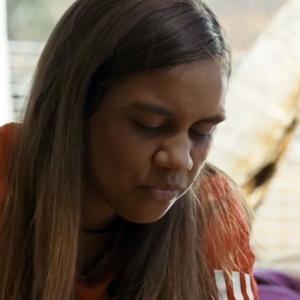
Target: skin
(183, 105)
(126, 160)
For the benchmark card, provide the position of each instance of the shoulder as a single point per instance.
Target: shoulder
(8, 134)
(223, 196)
(215, 181)
(228, 220)
(227, 234)
(7, 139)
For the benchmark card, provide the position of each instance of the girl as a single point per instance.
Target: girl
(105, 189)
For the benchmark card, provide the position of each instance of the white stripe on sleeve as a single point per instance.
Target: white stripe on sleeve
(249, 287)
(236, 285)
(221, 284)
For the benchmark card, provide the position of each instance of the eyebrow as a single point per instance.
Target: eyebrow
(156, 109)
(151, 108)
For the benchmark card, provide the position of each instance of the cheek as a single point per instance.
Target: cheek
(127, 151)
(199, 156)
(120, 150)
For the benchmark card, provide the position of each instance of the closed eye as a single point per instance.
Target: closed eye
(201, 136)
(196, 135)
(149, 129)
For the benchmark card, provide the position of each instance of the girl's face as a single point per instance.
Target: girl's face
(150, 137)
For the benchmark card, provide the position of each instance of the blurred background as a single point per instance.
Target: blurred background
(259, 145)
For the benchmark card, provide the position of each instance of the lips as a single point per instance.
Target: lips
(162, 194)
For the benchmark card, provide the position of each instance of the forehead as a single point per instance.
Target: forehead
(191, 90)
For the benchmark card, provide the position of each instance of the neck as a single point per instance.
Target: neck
(96, 214)
(93, 253)
(98, 227)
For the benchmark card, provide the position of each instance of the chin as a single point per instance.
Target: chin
(146, 217)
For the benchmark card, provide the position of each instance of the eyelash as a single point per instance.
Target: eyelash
(158, 129)
(205, 137)
(148, 129)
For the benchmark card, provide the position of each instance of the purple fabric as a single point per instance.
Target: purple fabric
(274, 285)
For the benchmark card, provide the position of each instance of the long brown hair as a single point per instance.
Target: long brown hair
(95, 43)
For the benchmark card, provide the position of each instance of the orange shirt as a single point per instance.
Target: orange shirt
(6, 141)
(238, 285)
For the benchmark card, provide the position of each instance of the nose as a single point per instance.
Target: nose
(175, 154)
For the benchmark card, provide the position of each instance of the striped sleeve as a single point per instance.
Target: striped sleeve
(238, 283)
(235, 286)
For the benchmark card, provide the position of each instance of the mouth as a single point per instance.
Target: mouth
(161, 194)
